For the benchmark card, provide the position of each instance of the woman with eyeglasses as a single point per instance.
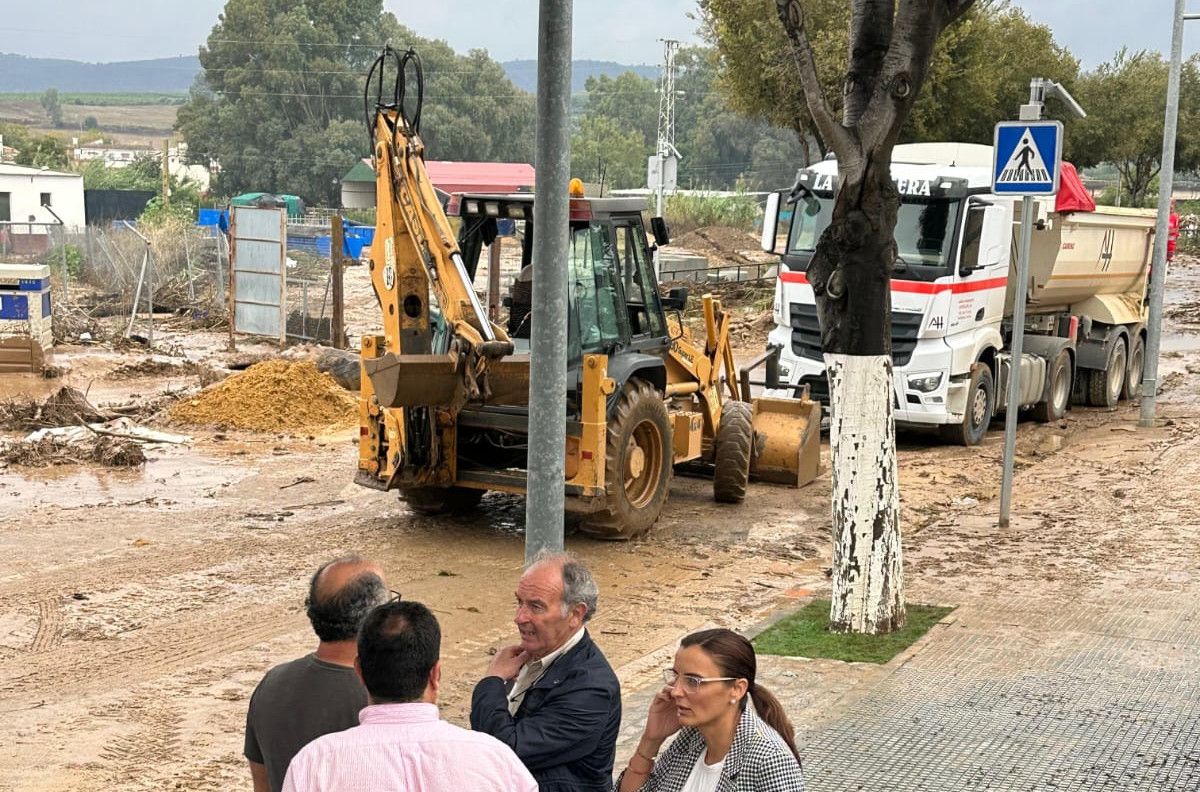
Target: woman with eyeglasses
(723, 743)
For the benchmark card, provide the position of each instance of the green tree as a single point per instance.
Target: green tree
(33, 150)
(978, 75)
(281, 92)
(1124, 101)
(601, 149)
(629, 98)
(53, 107)
(91, 123)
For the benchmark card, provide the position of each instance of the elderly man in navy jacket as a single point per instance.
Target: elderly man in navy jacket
(553, 698)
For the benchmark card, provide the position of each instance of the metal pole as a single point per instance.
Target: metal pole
(494, 279)
(337, 236)
(1158, 270)
(548, 333)
(1014, 370)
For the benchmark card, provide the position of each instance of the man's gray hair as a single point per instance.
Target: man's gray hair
(578, 584)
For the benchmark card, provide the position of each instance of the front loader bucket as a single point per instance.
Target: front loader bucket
(787, 441)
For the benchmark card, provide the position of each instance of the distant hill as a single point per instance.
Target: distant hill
(523, 73)
(19, 73)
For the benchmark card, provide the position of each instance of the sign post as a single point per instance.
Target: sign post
(1027, 157)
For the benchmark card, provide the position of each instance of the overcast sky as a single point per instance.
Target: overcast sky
(627, 31)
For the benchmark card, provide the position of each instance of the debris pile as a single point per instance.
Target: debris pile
(66, 407)
(50, 450)
(272, 396)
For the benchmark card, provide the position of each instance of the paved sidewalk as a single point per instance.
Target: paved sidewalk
(1012, 696)
(1081, 697)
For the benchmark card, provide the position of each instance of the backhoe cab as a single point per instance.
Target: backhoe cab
(444, 401)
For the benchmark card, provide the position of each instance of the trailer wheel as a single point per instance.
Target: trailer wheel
(431, 501)
(1137, 365)
(731, 460)
(1059, 376)
(1104, 388)
(637, 465)
(981, 397)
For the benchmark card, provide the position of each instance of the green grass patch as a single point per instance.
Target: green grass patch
(806, 634)
(96, 99)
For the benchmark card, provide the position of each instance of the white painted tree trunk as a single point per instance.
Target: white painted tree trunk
(868, 587)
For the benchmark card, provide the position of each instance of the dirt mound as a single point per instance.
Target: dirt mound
(719, 244)
(272, 396)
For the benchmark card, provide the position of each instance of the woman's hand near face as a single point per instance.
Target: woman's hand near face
(663, 719)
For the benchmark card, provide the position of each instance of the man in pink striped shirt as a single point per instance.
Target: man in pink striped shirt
(400, 743)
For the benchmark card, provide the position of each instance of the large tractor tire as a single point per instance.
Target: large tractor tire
(981, 400)
(431, 501)
(1104, 388)
(637, 465)
(732, 452)
(1055, 406)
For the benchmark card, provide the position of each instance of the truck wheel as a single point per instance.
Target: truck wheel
(637, 465)
(1137, 365)
(981, 397)
(441, 500)
(1105, 387)
(731, 459)
(1059, 377)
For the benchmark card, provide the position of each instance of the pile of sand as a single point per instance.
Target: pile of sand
(273, 396)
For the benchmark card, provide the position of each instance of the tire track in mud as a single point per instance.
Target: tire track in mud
(50, 626)
(162, 559)
(150, 653)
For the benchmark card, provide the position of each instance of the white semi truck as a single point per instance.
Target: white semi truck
(953, 285)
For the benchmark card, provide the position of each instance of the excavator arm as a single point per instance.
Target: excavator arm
(437, 340)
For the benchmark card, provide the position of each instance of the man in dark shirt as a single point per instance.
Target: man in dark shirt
(319, 693)
(553, 698)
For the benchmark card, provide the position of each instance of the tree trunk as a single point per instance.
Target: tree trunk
(851, 276)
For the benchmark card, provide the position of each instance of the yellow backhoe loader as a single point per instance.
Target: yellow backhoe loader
(444, 399)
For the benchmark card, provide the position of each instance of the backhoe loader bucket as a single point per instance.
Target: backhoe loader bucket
(787, 441)
(414, 380)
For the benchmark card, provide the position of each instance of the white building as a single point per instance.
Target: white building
(25, 194)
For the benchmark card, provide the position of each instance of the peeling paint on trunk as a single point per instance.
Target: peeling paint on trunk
(868, 591)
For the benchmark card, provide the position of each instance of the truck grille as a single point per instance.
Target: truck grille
(806, 333)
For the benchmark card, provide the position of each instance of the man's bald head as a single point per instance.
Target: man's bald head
(340, 595)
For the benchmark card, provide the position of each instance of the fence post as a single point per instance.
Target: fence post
(336, 266)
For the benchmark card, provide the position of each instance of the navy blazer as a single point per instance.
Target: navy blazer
(565, 730)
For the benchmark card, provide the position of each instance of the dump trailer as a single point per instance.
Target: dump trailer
(444, 413)
(953, 287)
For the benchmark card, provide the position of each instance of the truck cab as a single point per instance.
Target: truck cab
(952, 291)
(948, 286)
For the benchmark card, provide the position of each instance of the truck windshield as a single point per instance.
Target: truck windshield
(924, 235)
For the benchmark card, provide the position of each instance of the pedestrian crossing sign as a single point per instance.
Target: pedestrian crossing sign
(1026, 156)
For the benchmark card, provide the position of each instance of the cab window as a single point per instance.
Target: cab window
(637, 277)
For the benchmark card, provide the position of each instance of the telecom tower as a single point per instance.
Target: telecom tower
(664, 164)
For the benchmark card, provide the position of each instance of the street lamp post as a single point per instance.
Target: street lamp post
(1166, 179)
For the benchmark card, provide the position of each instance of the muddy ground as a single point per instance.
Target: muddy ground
(138, 609)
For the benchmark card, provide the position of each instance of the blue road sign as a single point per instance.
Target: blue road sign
(1026, 157)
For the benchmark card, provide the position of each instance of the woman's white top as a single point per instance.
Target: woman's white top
(704, 777)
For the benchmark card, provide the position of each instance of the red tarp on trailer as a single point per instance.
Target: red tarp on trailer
(1072, 195)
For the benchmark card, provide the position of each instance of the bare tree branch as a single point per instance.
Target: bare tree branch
(870, 35)
(834, 134)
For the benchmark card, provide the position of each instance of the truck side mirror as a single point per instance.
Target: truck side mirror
(770, 222)
(658, 227)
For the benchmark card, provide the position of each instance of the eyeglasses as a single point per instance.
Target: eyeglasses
(691, 682)
(396, 597)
